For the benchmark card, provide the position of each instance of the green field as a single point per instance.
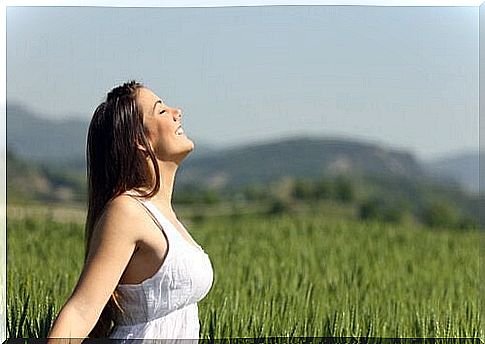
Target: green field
(301, 274)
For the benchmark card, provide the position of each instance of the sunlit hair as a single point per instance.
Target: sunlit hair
(116, 165)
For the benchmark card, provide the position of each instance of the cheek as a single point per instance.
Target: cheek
(165, 136)
(166, 132)
(159, 131)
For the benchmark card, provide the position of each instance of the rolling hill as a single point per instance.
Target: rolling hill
(61, 144)
(31, 136)
(296, 157)
(463, 168)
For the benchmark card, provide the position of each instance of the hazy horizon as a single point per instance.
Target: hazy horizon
(406, 77)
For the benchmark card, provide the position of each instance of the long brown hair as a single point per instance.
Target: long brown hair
(116, 165)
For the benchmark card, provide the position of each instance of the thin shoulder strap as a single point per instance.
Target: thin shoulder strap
(150, 213)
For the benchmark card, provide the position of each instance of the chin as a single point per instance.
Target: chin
(191, 145)
(188, 148)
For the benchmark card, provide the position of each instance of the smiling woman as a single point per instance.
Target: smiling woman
(163, 124)
(143, 273)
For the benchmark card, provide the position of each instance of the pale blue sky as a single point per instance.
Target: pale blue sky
(406, 77)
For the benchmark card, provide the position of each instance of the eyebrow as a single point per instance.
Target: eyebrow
(154, 105)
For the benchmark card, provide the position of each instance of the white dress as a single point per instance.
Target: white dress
(164, 306)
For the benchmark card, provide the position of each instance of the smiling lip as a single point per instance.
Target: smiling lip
(179, 127)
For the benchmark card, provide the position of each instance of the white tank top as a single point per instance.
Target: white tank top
(164, 306)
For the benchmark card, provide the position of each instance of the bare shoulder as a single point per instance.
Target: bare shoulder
(113, 242)
(124, 215)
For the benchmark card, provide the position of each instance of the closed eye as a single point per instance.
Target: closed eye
(161, 104)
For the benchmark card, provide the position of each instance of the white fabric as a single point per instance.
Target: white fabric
(164, 306)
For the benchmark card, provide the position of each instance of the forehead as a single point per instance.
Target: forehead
(146, 98)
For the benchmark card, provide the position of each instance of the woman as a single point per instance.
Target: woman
(143, 273)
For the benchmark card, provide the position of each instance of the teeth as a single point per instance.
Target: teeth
(179, 131)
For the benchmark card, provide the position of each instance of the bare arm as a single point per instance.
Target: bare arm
(112, 245)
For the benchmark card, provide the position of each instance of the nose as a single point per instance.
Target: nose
(178, 113)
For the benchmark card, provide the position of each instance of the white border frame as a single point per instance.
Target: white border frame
(134, 3)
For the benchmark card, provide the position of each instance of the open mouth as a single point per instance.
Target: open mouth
(179, 131)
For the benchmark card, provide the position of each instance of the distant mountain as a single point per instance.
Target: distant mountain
(463, 168)
(61, 144)
(296, 157)
(33, 137)
(28, 181)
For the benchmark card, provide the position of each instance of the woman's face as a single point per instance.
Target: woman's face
(163, 126)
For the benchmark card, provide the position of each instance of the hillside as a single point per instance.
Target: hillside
(296, 157)
(61, 145)
(307, 158)
(39, 139)
(63, 142)
(460, 167)
(29, 182)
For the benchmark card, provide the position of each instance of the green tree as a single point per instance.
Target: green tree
(323, 189)
(210, 197)
(440, 214)
(379, 209)
(344, 189)
(278, 206)
(369, 209)
(255, 193)
(303, 189)
(467, 223)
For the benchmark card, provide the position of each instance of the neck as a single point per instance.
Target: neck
(167, 178)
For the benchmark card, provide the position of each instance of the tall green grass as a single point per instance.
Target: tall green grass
(285, 275)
